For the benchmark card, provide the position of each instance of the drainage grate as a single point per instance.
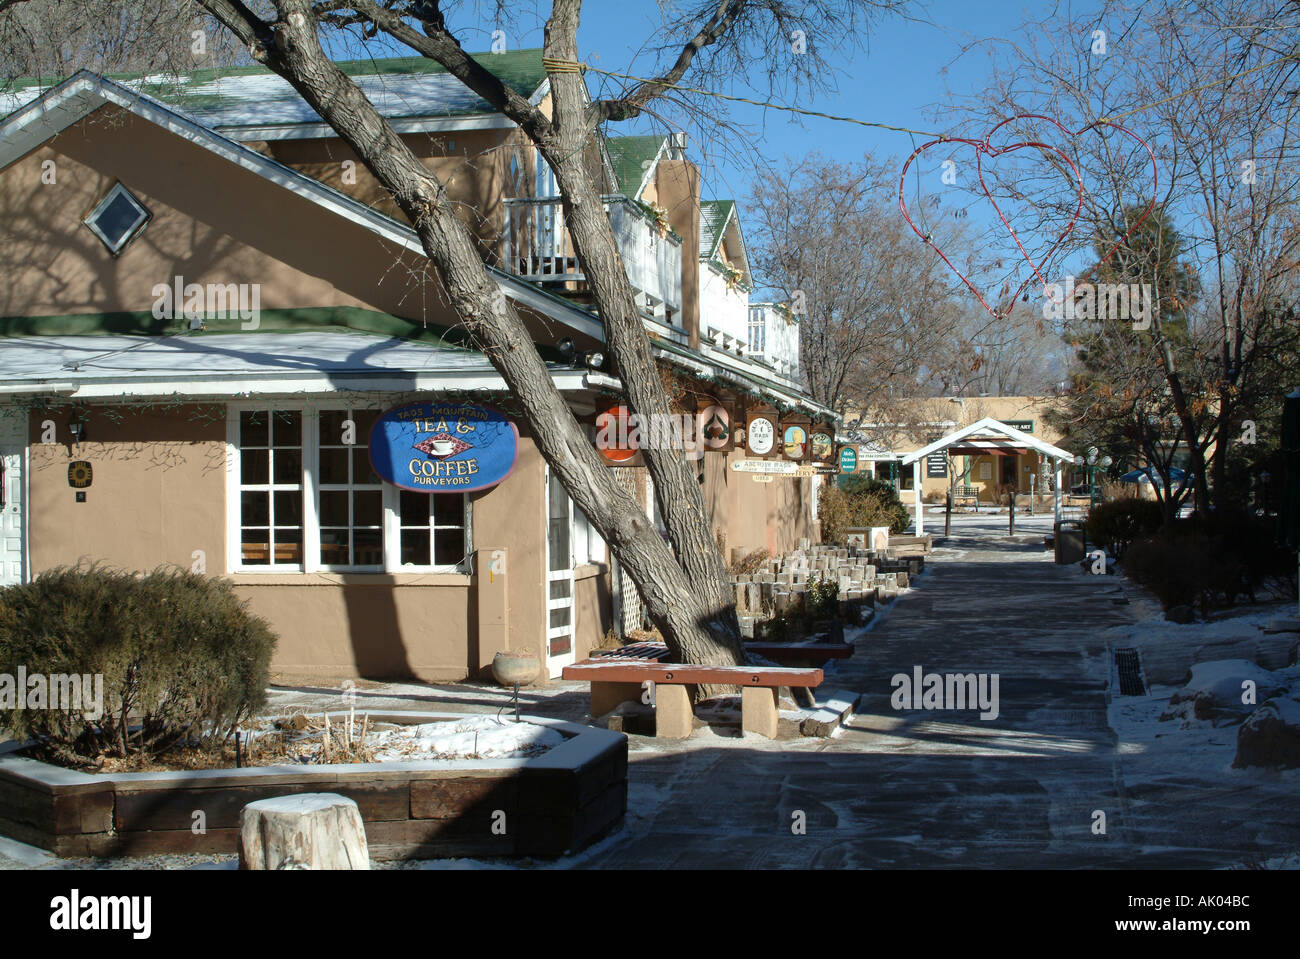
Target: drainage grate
(1129, 667)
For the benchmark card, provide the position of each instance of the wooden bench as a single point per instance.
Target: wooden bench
(653, 652)
(615, 681)
(804, 653)
(965, 493)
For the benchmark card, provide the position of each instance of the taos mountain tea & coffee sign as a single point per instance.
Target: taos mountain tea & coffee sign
(443, 447)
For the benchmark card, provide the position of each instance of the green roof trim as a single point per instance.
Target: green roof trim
(628, 156)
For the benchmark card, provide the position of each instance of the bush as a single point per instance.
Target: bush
(860, 501)
(181, 660)
(1116, 524)
(1210, 561)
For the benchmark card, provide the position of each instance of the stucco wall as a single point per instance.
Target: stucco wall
(158, 496)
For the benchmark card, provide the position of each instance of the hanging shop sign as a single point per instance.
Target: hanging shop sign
(619, 436)
(443, 447)
(936, 464)
(848, 459)
(713, 425)
(1025, 426)
(821, 443)
(794, 438)
(760, 432)
(780, 468)
(771, 467)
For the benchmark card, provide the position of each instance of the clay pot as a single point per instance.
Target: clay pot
(511, 668)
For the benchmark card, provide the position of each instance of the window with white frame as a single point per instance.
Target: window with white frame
(117, 218)
(270, 488)
(308, 499)
(350, 497)
(433, 529)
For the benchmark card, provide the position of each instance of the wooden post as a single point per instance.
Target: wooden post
(1012, 513)
(916, 489)
(947, 514)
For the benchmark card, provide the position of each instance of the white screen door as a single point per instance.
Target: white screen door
(559, 576)
(13, 449)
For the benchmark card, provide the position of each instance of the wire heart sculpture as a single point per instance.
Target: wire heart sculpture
(984, 148)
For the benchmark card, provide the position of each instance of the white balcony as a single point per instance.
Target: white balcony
(774, 338)
(537, 247)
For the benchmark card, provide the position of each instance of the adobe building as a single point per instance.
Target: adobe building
(217, 335)
(985, 476)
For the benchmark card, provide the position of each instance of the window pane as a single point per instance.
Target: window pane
(253, 430)
(254, 467)
(559, 588)
(361, 471)
(415, 547)
(117, 219)
(334, 467)
(256, 546)
(288, 545)
(367, 508)
(448, 509)
(334, 508)
(559, 617)
(449, 547)
(334, 547)
(560, 645)
(288, 508)
(287, 428)
(369, 546)
(415, 508)
(287, 466)
(364, 419)
(254, 508)
(331, 427)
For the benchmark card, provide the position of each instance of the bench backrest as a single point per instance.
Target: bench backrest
(625, 671)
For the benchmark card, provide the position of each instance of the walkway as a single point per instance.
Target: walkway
(942, 788)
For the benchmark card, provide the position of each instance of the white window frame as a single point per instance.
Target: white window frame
(310, 508)
(118, 190)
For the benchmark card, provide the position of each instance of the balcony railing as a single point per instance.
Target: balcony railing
(537, 247)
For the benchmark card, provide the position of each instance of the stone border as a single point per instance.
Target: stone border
(556, 803)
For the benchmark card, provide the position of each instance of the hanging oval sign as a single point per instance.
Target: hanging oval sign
(443, 447)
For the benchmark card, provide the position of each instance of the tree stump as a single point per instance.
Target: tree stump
(307, 831)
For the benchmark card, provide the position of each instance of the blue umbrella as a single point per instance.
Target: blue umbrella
(1148, 475)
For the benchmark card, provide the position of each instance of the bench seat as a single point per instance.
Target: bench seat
(614, 681)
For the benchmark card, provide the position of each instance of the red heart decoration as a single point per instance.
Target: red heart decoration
(983, 147)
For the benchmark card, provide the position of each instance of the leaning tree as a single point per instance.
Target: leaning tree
(683, 582)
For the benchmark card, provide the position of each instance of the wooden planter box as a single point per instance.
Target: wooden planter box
(557, 803)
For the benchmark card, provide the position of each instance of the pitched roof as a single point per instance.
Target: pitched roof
(714, 216)
(629, 157)
(232, 99)
(74, 99)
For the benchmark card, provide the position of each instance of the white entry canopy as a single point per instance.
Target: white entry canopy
(989, 437)
(986, 437)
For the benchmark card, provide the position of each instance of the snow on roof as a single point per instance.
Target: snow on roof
(80, 357)
(400, 88)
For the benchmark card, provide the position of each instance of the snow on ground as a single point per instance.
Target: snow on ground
(1169, 650)
(474, 737)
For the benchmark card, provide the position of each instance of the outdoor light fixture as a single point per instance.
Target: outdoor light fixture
(594, 359)
(567, 349)
(77, 428)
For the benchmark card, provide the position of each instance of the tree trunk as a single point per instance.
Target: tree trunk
(676, 485)
(697, 626)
